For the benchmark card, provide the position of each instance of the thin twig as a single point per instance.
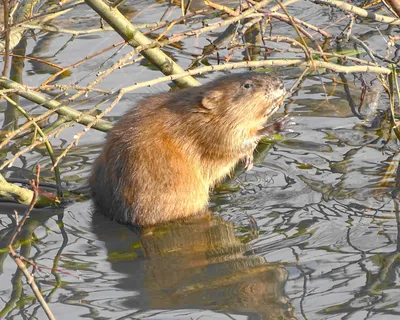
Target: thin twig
(69, 113)
(7, 38)
(19, 260)
(46, 142)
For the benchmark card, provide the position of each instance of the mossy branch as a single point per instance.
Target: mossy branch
(13, 192)
(135, 38)
(69, 113)
(358, 11)
(265, 63)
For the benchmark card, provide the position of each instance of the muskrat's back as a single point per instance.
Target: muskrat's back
(161, 159)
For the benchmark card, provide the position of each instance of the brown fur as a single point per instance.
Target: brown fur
(162, 158)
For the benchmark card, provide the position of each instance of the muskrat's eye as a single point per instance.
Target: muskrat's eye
(248, 85)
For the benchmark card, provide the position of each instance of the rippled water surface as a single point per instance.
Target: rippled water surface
(311, 232)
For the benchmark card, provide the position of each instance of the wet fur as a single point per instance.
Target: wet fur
(164, 155)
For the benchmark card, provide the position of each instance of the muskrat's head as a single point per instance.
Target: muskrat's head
(243, 102)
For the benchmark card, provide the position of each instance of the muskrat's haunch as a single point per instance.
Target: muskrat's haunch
(163, 156)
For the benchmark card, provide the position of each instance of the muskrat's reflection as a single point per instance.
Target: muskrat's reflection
(199, 264)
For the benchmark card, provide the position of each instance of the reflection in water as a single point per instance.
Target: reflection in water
(199, 264)
(25, 243)
(201, 270)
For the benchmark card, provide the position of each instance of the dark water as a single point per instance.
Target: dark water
(311, 232)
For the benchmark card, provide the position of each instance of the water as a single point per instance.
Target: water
(311, 232)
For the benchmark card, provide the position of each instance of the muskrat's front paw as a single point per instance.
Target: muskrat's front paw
(280, 125)
(248, 162)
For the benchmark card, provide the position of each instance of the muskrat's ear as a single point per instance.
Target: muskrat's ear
(210, 99)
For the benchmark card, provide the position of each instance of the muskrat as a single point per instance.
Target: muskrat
(163, 156)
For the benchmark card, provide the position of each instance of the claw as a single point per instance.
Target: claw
(279, 125)
(248, 163)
